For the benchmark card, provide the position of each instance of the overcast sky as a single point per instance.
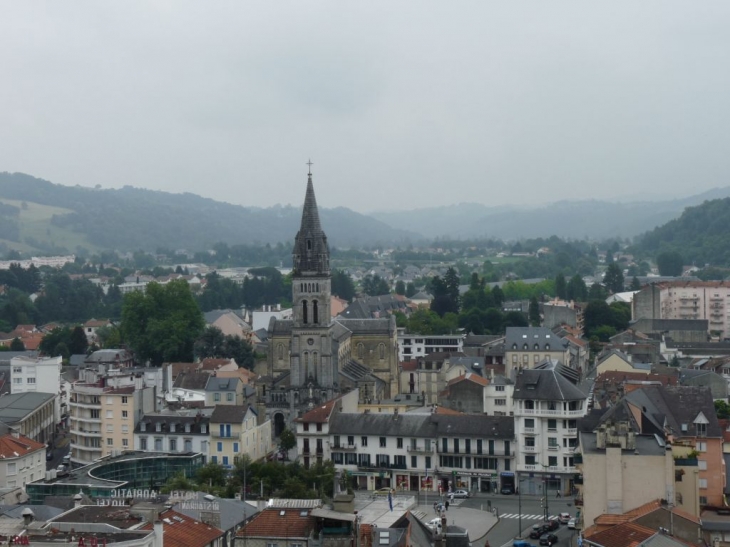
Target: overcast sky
(399, 104)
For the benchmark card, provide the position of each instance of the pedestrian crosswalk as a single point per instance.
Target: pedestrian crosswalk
(524, 516)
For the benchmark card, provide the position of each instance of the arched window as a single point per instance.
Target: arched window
(315, 312)
(360, 351)
(537, 346)
(304, 312)
(306, 363)
(524, 347)
(309, 244)
(547, 347)
(514, 346)
(317, 287)
(381, 351)
(280, 350)
(315, 359)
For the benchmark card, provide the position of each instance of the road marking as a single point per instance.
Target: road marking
(517, 515)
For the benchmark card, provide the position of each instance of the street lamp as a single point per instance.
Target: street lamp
(545, 491)
(519, 501)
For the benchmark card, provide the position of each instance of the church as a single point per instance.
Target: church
(313, 357)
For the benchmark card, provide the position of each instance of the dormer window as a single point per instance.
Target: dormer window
(143, 426)
(158, 427)
(547, 347)
(204, 428)
(172, 428)
(187, 428)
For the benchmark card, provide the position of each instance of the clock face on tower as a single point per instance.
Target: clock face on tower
(310, 341)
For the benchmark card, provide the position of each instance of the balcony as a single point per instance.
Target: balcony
(531, 449)
(571, 431)
(344, 446)
(381, 468)
(420, 450)
(94, 406)
(548, 413)
(530, 431)
(85, 433)
(76, 446)
(85, 419)
(536, 468)
(553, 448)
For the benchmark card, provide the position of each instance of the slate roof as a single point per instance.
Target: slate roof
(192, 380)
(279, 523)
(165, 420)
(382, 325)
(230, 414)
(423, 425)
(546, 384)
(280, 327)
(15, 407)
(232, 512)
(222, 384)
(542, 336)
(109, 356)
(183, 531)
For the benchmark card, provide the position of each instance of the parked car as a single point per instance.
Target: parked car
(521, 543)
(537, 531)
(571, 524)
(434, 523)
(49, 455)
(461, 494)
(507, 490)
(564, 518)
(548, 539)
(553, 524)
(382, 491)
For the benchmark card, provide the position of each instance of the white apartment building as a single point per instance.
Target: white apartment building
(174, 431)
(41, 374)
(547, 407)
(498, 395)
(412, 346)
(526, 347)
(22, 460)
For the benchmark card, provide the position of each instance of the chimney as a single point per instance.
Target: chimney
(78, 498)
(159, 532)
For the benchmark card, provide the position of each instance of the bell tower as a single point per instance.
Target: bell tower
(311, 351)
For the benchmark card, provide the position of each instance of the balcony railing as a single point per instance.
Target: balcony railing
(344, 446)
(530, 449)
(381, 467)
(473, 452)
(85, 433)
(545, 469)
(420, 450)
(530, 431)
(548, 412)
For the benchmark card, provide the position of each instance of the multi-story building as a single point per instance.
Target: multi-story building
(498, 396)
(223, 391)
(693, 300)
(37, 374)
(236, 430)
(547, 407)
(30, 414)
(525, 347)
(412, 346)
(23, 460)
(103, 415)
(169, 431)
(411, 451)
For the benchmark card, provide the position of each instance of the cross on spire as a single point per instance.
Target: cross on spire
(309, 163)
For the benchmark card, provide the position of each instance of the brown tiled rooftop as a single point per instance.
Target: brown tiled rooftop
(182, 531)
(279, 523)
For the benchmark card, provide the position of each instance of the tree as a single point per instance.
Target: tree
(635, 285)
(287, 441)
(597, 292)
(533, 312)
(17, 345)
(235, 347)
(410, 290)
(162, 323)
(211, 474)
(109, 337)
(577, 290)
(614, 278)
(452, 287)
(78, 343)
(722, 409)
(561, 287)
(374, 285)
(342, 285)
(670, 263)
(400, 287)
(210, 343)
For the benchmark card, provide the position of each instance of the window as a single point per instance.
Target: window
(12, 468)
(306, 427)
(530, 441)
(125, 443)
(701, 447)
(109, 428)
(530, 459)
(220, 446)
(272, 545)
(225, 430)
(500, 402)
(514, 359)
(363, 441)
(382, 442)
(552, 443)
(702, 465)
(217, 397)
(428, 462)
(188, 445)
(467, 446)
(109, 441)
(701, 429)
(529, 423)
(235, 447)
(173, 445)
(31, 380)
(703, 483)
(506, 448)
(225, 460)
(319, 427)
(491, 447)
(17, 370)
(143, 443)
(525, 359)
(17, 380)
(109, 413)
(158, 444)
(124, 400)
(351, 440)
(499, 388)
(125, 428)
(125, 414)
(456, 446)
(552, 425)
(399, 442)
(229, 396)
(214, 459)
(479, 446)
(414, 461)
(552, 461)
(536, 358)
(399, 462)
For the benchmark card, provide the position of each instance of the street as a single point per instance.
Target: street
(532, 513)
(62, 447)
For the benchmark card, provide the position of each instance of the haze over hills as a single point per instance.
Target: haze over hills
(39, 216)
(567, 219)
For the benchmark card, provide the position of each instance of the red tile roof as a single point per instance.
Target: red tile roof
(182, 531)
(210, 363)
(14, 447)
(471, 377)
(638, 512)
(279, 523)
(320, 414)
(409, 366)
(627, 534)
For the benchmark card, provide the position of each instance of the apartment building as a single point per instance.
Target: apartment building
(526, 347)
(30, 414)
(174, 431)
(547, 407)
(22, 460)
(412, 451)
(37, 374)
(223, 391)
(103, 414)
(237, 430)
(412, 346)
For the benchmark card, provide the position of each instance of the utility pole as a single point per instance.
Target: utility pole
(519, 498)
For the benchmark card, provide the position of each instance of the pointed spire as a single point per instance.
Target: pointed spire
(311, 253)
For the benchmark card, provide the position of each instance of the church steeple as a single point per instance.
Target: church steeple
(311, 254)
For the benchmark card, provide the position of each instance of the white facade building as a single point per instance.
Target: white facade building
(498, 396)
(42, 375)
(22, 460)
(412, 346)
(547, 407)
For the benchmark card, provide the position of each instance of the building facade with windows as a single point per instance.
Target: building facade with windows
(223, 391)
(547, 406)
(39, 374)
(412, 346)
(22, 460)
(236, 430)
(174, 431)
(526, 347)
(30, 414)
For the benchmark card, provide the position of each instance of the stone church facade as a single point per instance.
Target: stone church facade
(314, 357)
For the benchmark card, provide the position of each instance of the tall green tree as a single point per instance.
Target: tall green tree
(533, 312)
(614, 278)
(577, 290)
(17, 345)
(374, 285)
(400, 287)
(78, 343)
(635, 285)
(342, 285)
(561, 286)
(162, 323)
(670, 263)
(410, 289)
